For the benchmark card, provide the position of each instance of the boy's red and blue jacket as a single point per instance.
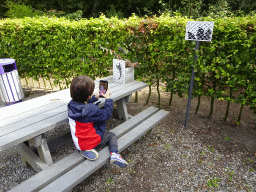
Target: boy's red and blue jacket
(88, 122)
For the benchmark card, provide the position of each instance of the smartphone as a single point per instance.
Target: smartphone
(103, 87)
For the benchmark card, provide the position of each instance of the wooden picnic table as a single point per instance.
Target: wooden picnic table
(29, 120)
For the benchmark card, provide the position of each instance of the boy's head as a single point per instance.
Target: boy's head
(81, 88)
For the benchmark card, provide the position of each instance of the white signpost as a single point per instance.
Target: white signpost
(119, 71)
(197, 31)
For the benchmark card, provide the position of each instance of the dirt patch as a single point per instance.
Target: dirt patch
(223, 136)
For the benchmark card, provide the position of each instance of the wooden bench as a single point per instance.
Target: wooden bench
(73, 169)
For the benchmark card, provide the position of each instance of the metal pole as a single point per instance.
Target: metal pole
(191, 86)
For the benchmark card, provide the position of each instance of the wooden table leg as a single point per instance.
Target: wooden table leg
(28, 156)
(128, 98)
(44, 152)
(38, 163)
(122, 108)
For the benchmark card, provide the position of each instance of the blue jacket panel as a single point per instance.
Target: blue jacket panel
(90, 112)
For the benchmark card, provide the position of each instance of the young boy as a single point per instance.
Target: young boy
(88, 122)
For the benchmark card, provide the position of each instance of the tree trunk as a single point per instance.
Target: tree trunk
(170, 101)
(49, 79)
(227, 109)
(199, 97)
(173, 77)
(242, 105)
(158, 91)
(211, 108)
(149, 94)
(136, 97)
(198, 104)
(26, 81)
(212, 98)
(240, 114)
(44, 83)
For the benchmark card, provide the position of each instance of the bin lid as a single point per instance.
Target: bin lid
(7, 61)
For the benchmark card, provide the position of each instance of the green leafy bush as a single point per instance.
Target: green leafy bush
(17, 10)
(61, 48)
(113, 13)
(76, 16)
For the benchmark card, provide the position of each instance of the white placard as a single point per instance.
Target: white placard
(119, 71)
(199, 30)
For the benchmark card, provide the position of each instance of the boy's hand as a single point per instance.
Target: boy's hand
(97, 95)
(106, 95)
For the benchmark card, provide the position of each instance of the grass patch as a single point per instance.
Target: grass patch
(231, 176)
(213, 182)
(109, 180)
(250, 160)
(227, 139)
(251, 169)
(210, 148)
(131, 171)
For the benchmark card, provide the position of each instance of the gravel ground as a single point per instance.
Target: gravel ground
(208, 155)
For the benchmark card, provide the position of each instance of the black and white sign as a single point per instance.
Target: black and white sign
(199, 30)
(119, 71)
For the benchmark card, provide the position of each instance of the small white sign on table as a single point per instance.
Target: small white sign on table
(119, 71)
(199, 30)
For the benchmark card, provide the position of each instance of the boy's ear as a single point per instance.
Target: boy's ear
(90, 97)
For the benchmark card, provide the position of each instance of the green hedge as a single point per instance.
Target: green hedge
(60, 48)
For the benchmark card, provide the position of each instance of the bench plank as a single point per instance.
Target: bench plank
(25, 123)
(36, 129)
(128, 90)
(75, 176)
(50, 174)
(27, 106)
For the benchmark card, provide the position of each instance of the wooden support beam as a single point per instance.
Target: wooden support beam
(128, 98)
(122, 109)
(36, 141)
(31, 158)
(44, 152)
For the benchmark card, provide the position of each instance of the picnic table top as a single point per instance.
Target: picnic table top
(28, 119)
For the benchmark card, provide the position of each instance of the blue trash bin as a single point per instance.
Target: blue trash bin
(10, 88)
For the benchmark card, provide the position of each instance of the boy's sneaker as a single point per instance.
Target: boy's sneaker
(90, 154)
(116, 159)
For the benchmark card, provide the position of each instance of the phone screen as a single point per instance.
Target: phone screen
(103, 87)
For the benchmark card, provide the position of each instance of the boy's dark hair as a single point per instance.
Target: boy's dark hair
(81, 88)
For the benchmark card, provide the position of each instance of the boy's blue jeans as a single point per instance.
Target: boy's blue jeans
(110, 139)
